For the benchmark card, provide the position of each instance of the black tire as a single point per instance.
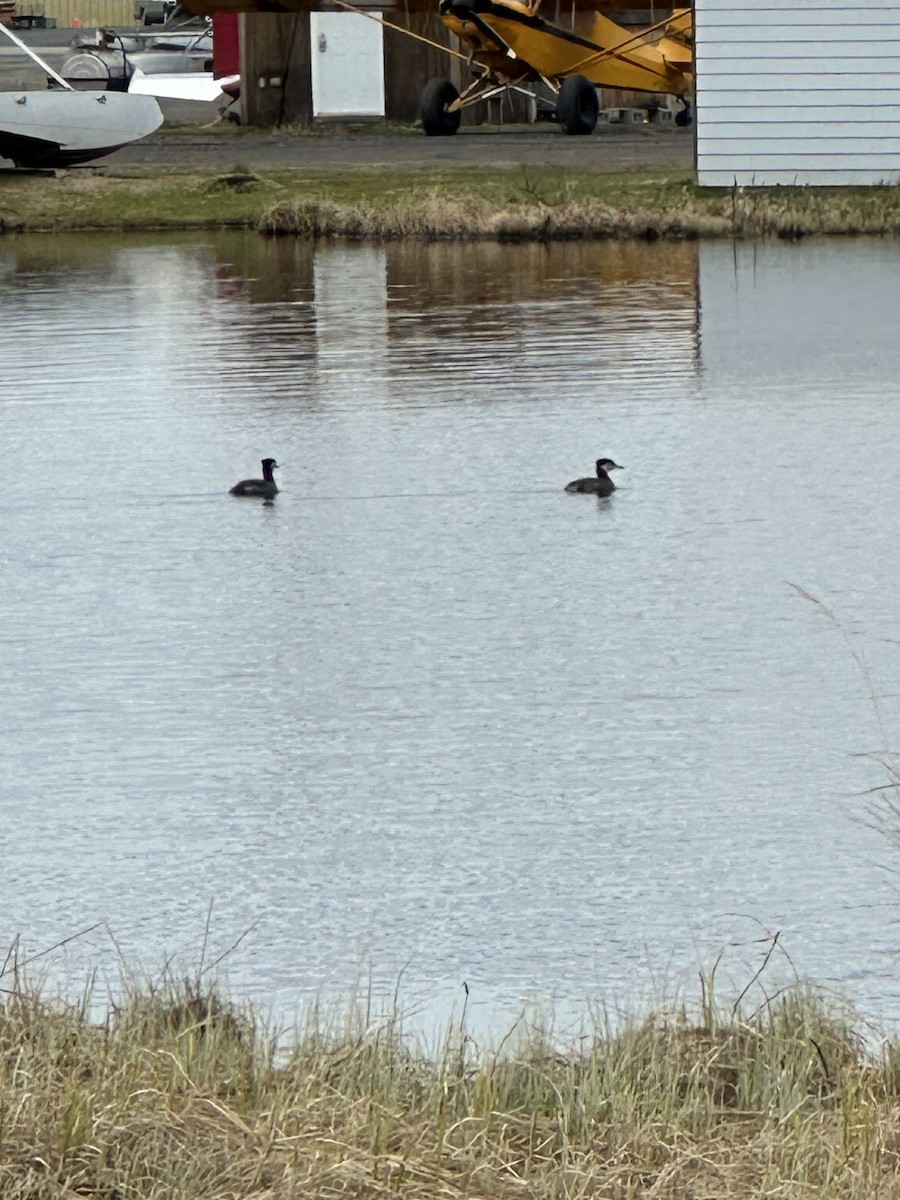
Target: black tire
(684, 117)
(577, 105)
(437, 95)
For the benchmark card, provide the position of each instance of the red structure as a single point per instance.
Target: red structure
(226, 45)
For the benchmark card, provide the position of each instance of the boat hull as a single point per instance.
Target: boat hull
(59, 128)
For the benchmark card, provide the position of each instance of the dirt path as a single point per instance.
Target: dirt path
(610, 148)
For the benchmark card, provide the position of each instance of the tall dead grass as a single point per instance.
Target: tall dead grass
(665, 211)
(183, 1096)
(473, 217)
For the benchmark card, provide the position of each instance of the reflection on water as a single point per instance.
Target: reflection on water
(428, 710)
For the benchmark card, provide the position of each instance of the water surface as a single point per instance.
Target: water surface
(428, 713)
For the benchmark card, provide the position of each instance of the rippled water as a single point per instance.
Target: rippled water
(428, 713)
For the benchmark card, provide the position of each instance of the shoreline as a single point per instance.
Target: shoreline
(238, 187)
(372, 181)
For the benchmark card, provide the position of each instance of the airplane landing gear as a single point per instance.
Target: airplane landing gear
(437, 119)
(577, 106)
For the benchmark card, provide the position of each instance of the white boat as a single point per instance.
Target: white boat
(108, 60)
(58, 127)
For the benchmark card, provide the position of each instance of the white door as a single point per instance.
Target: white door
(347, 65)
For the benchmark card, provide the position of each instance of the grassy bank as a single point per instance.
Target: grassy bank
(464, 203)
(181, 1097)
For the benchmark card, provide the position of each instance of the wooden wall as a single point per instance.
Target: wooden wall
(799, 92)
(275, 49)
(408, 64)
(276, 87)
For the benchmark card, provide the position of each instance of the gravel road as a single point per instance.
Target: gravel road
(538, 146)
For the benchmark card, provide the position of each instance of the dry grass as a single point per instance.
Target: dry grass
(435, 216)
(585, 207)
(464, 203)
(182, 1097)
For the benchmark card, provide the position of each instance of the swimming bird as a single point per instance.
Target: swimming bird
(602, 485)
(266, 486)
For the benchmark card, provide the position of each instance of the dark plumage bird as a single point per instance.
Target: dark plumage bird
(266, 486)
(602, 485)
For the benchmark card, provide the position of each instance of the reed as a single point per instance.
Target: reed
(182, 1095)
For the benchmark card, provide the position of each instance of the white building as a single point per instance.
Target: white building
(797, 91)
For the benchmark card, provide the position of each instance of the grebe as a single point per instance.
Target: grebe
(266, 486)
(602, 485)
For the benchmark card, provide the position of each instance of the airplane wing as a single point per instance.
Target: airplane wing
(180, 85)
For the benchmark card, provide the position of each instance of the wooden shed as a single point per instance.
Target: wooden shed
(300, 66)
(280, 72)
(797, 92)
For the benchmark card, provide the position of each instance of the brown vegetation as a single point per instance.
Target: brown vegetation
(177, 1096)
(464, 204)
(581, 209)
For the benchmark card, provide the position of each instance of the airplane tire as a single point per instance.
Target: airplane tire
(577, 106)
(436, 120)
(684, 118)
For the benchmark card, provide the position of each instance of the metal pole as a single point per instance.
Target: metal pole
(37, 58)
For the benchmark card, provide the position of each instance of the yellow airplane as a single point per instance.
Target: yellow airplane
(511, 46)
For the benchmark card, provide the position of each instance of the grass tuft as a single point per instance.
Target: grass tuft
(183, 1095)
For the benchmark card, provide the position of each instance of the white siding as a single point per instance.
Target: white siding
(798, 92)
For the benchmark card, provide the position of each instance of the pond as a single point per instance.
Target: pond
(428, 717)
